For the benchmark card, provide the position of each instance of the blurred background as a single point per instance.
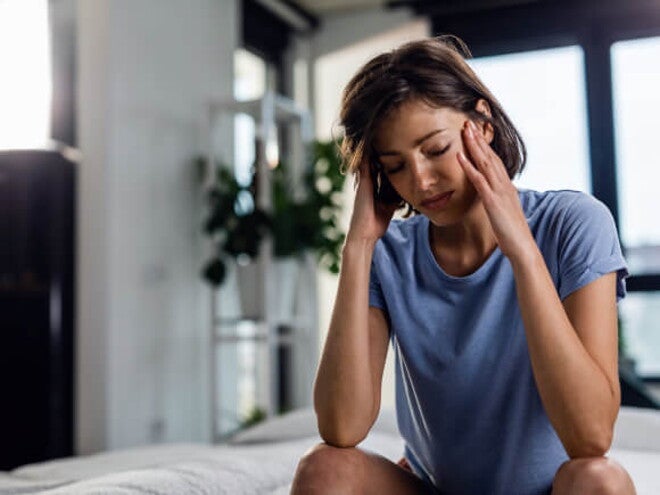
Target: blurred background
(147, 296)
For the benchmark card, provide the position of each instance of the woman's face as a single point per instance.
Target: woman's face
(417, 145)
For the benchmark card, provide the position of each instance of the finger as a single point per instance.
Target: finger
(479, 181)
(474, 149)
(494, 162)
(478, 137)
(481, 148)
(363, 177)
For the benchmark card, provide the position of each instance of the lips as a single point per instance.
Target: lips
(438, 201)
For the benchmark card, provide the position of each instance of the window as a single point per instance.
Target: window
(543, 94)
(25, 85)
(639, 313)
(249, 84)
(635, 79)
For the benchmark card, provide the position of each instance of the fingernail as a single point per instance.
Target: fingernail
(468, 129)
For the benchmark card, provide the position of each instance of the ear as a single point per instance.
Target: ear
(487, 130)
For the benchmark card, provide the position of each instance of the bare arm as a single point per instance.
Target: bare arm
(572, 345)
(573, 350)
(348, 380)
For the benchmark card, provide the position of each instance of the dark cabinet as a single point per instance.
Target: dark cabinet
(37, 204)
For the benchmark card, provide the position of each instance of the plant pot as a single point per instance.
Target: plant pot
(249, 279)
(282, 284)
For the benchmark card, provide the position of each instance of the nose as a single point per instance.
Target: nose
(422, 172)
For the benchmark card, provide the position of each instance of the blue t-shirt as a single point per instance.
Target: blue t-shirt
(467, 404)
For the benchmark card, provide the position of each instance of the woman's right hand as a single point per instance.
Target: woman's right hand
(370, 218)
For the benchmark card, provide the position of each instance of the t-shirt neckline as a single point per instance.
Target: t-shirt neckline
(423, 237)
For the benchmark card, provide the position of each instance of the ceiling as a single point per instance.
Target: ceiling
(321, 8)
(304, 15)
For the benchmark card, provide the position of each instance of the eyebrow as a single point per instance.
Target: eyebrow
(416, 143)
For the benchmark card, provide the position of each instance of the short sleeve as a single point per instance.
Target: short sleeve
(376, 297)
(589, 247)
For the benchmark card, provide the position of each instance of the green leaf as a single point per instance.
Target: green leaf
(306, 220)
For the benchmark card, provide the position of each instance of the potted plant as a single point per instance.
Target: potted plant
(309, 221)
(300, 220)
(235, 224)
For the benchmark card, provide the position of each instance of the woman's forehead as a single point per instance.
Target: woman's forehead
(413, 120)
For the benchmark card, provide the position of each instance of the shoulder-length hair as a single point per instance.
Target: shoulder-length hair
(435, 71)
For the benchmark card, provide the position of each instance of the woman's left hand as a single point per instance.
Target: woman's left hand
(499, 196)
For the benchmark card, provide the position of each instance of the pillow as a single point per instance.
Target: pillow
(301, 423)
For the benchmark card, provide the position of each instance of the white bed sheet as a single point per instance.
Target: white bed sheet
(262, 461)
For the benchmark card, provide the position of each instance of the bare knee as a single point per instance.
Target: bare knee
(592, 476)
(328, 470)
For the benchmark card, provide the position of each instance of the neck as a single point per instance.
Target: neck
(463, 247)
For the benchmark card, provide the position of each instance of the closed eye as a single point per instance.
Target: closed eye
(389, 170)
(435, 152)
(432, 153)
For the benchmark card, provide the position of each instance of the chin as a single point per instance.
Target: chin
(453, 215)
(444, 219)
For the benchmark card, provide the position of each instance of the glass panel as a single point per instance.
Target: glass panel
(636, 78)
(543, 93)
(249, 84)
(643, 259)
(249, 76)
(242, 370)
(640, 324)
(25, 84)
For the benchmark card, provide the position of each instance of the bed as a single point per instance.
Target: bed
(262, 459)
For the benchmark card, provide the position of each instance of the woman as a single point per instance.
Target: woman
(500, 304)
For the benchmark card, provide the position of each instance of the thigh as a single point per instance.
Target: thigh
(326, 469)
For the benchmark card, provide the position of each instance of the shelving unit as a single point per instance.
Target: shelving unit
(252, 351)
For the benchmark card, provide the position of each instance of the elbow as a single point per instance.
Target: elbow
(595, 443)
(338, 435)
(340, 439)
(341, 428)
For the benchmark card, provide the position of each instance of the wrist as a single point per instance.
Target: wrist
(527, 256)
(358, 243)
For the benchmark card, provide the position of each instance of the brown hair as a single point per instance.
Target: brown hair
(433, 70)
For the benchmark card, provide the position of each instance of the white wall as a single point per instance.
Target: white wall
(333, 70)
(344, 30)
(338, 57)
(146, 69)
